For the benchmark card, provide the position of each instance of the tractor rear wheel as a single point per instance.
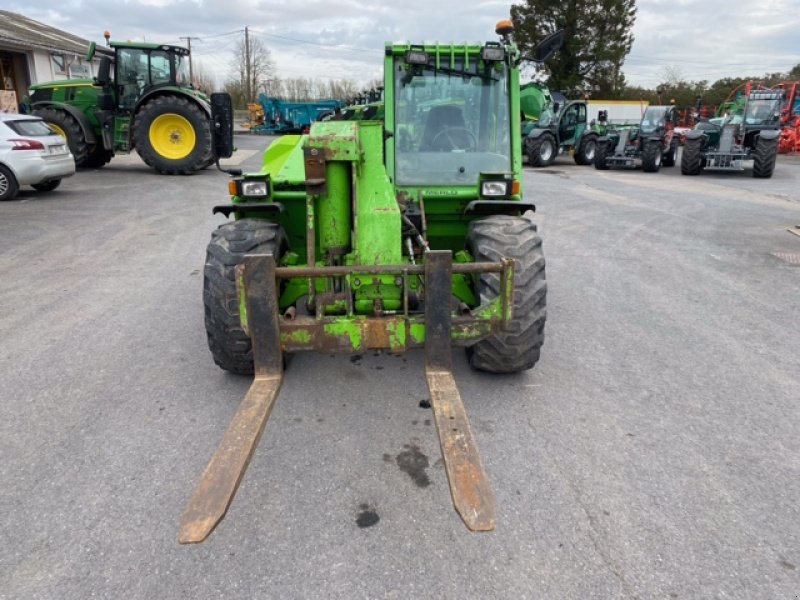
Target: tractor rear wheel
(651, 157)
(173, 135)
(518, 348)
(587, 149)
(692, 160)
(229, 344)
(671, 157)
(541, 151)
(764, 157)
(600, 162)
(67, 127)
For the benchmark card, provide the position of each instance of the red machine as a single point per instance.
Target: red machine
(790, 117)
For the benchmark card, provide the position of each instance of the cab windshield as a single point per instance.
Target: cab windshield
(654, 118)
(451, 123)
(762, 111)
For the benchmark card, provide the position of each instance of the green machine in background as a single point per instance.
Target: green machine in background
(393, 234)
(142, 100)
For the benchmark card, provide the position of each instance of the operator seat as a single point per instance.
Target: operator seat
(439, 119)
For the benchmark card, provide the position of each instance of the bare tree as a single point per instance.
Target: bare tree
(253, 63)
(202, 79)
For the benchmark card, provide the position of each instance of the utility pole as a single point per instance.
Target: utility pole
(189, 47)
(247, 64)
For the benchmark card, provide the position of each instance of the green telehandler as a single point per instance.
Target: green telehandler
(142, 100)
(408, 232)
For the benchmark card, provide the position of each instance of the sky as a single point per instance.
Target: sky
(343, 39)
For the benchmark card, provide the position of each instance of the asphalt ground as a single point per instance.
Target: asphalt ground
(654, 452)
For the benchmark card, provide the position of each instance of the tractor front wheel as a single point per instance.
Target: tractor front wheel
(600, 162)
(692, 160)
(67, 127)
(229, 344)
(587, 149)
(541, 151)
(764, 157)
(651, 157)
(517, 348)
(172, 134)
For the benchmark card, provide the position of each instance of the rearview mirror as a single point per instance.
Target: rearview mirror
(222, 118)
(549, 46)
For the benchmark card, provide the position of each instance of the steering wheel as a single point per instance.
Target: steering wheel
(447, 135)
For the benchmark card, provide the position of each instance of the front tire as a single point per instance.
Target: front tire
(764, 157)
(600, 157)
(587, 149)
(69, 128)
(651, 157)
(518, 348)
(173, 135)
(8, 184)
(541, 151)
(692, 160)
(229, 344)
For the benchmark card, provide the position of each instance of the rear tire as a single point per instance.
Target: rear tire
(48, 186)
(692, 160)
(671, 157)
(173, 135)
(651, 157)
(8, 184)
(541, 151)
(587, 149)
(764, 157)
(229, 344)
(519, 348)
(68, 126)
(600, 157)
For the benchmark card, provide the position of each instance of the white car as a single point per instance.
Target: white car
(31, 154)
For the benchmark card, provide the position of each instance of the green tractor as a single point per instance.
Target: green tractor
(562, 129)
(394, 234)
(652, 144)
(146, 104)
(752, 132)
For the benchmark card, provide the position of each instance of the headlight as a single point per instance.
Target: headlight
(493, 53)
(254, 188)
(495, 188)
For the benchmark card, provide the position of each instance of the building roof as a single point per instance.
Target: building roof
(19, 31)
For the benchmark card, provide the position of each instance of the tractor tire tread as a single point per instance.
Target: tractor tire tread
(518, 348)
(198, 159)
(76, 140)
(692, 160)
(533, 148)
(764, 157)
(230, 346)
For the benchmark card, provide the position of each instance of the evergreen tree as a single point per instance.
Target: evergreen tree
(598, 36)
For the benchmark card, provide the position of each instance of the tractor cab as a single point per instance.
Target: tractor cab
(450, 109)
(140, 68)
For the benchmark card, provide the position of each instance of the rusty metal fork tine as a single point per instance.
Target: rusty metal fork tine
(224, 472)
(472, 494)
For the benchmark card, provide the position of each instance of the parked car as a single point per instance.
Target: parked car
(31, 154)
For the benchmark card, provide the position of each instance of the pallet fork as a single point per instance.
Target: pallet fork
(471, 492)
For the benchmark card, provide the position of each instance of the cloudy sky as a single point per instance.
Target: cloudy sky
(701, 39)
